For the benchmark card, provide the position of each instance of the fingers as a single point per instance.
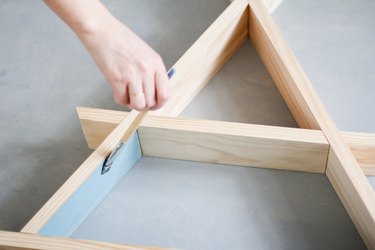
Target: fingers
(120, 93)
(136, 94)
(143, 86)
(149, 90)
(162, 88)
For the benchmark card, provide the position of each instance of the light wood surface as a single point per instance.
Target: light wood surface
(193, 71)
(79, 177)
(98, 123)
(362, 146)
(206, 56)
(91, 193)
(210, 142)
(343, 170)
(23, 241)
(219, 142)
(271, 5)
(280, 63)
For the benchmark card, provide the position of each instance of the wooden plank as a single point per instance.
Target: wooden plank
(362, 146)
(280, 63)
(79, 177)
(197, 66)
(23, 241)
(193, 70)
(98, 123)
(83, 201)
(224, 147)
(343, 170)
(220, 142)
(271, 5)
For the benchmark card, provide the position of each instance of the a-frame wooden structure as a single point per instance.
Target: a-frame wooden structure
(317, 146)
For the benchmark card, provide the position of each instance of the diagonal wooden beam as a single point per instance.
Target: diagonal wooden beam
(193, 70)
(79, 177)
(343, 171)
(206, 56)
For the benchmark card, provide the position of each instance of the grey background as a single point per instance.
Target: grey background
(45, 72)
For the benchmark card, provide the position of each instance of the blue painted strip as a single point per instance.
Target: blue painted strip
(92, 192)
(171, 73)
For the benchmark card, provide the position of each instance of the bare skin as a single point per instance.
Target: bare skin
(134, 70)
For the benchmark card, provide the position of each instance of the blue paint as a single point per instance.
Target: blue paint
(171, 73)
(92, 192)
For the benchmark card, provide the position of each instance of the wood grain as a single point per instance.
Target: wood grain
(23, 241)
(98, 123)
(218, 142)
(362, 146)
(241, 150)
(79, 177)
(271, 5)
(195, 69)
(343, 170)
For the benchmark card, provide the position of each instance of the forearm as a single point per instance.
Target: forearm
(82, 16)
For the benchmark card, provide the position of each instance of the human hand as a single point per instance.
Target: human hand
(135, 71)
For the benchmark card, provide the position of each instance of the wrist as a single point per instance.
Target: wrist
(92, 25)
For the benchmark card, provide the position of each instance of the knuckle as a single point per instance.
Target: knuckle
(119, 100)
(151, 103)
(139, 106)
(116, 77)
(144, 66)
(163, 96)
(131, 72)
(157, 59)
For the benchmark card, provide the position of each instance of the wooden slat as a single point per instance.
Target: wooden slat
(271, 5)
(219, 142)
(362, 146)
(236, 144)
(98, 123)
(23, 241)
(197, 66)
(91, 193)
(343, 170)
(193, 70)
(280, 63)
(79, 177)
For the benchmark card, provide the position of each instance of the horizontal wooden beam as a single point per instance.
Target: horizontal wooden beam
(218, 142)
(235, 144)
(98, 123)
(23, 241)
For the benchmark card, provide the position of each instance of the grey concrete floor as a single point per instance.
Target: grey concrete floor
(45, 72)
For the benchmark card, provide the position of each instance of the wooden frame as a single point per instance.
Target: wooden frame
(319, 141)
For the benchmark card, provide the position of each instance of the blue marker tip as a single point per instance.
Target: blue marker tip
(171, 73)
